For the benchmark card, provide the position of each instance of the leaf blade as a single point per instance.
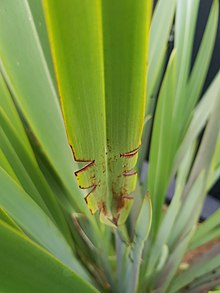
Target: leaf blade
(35, 222)
(21, 64)
(27, 267)
(96, 106)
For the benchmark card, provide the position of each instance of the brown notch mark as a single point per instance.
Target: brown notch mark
(82, 170)
(114, 220)
(89, 165)
(86, 198)
(129, 173)
(85, 168)
(130, 153)
(78, 160)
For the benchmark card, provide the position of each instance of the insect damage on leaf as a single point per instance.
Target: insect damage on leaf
(111, 197)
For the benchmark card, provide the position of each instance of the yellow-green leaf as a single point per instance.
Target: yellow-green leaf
(100, 57)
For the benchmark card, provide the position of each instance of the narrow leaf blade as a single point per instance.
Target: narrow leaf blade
(26, 267)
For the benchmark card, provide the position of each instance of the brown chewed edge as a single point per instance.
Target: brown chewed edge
(113, 208)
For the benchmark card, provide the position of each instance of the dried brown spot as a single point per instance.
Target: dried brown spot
(102, 208)
(114, 220)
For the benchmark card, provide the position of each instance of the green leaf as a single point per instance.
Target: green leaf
(202, 266)
(180, 115)
(159, 165)
(185, 226)
(215, 165)
(199, 118)
(25, 69)
(210, 236)
(185, 21)
(8, 107)
(169, 270)
(207, 231)
(207, 148)
(192, 200)
(189, 85)
(23, 161)
(8, 220)
(191, 208)
(26, 267)
(17, 166)
(141, 232)
(39, 20)
(170, 217)
(161, 24)
(6, 166)
(205, 282)
(102, 90)
(129, 255)
(35, 222)
(187, 215)
(201, 65)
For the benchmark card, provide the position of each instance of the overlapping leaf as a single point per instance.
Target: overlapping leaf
(22, 62)
(26, 267)
(186, 89)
